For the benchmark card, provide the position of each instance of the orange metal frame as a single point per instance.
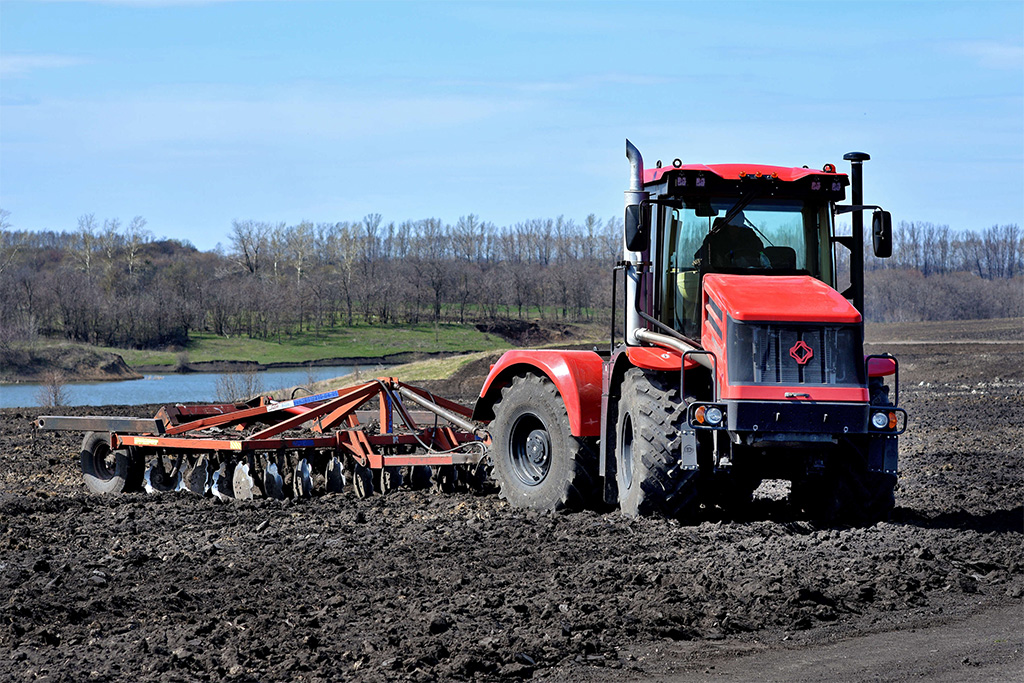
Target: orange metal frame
(185, 428)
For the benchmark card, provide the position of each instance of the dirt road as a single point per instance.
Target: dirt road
(418, 586)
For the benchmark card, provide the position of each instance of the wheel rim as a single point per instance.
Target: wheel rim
(530, 446)
(626, 451)
(104, 462)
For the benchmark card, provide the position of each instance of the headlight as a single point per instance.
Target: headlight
(879, 420)
(713, 416)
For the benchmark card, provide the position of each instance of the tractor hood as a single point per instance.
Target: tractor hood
(777, 298)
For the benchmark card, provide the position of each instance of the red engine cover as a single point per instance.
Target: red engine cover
(778, 298)
(774, 299)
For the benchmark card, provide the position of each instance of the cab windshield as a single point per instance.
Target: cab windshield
(766, 237)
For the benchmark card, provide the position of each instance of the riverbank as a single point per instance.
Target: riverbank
(360, 345)
(225, 366)
(64, 363)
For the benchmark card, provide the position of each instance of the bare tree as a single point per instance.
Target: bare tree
(249, 240)
(239, 386)
(136, 236)
(87, 242)
(53, 391)
(8, 247)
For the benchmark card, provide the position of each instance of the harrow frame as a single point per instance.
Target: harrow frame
(335, 416)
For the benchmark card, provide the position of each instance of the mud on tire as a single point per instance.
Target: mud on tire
(647, 447)
(538, 463)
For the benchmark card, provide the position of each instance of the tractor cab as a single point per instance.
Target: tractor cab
(740, 220)
(741, 360)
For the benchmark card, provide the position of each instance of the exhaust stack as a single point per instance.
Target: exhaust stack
(636, 170)
(857, 160)
(635, 197)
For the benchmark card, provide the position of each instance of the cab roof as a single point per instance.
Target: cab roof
(733, 171)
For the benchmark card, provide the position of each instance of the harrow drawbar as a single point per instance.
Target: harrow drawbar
(287, 449)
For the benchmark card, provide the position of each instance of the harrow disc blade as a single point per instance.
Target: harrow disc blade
(390, 479)
(420, 477)
(334, 476)
(445, 478)
(273, 482)
(362, 481)
(156, 480)
(303, 486)
(222, 486)
(243, 484)
(196, 477)
(477, 477)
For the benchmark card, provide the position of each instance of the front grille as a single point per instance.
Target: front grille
(771, 354)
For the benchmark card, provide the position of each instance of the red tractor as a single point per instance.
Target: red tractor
(740, 360)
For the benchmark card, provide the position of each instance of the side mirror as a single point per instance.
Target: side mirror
(638, 226)
(881, 233)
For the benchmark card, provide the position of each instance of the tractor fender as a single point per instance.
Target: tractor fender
(614, 372)
(575, 374)
(658, 358)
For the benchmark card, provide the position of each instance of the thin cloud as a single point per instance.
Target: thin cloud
(992, 55)
(145, 3)
(219, 120)
(21, 65)
(565, 85)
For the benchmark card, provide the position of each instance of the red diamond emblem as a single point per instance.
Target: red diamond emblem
(801, 352)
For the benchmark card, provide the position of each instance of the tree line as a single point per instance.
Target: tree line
(113, 283)
(936, 273)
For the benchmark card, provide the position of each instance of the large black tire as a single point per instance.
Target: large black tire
(106, 471)
(847, 493)
(538, 463)
(864, 497)
(734, 492)
(647, 448)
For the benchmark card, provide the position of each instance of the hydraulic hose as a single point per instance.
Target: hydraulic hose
(457, 420)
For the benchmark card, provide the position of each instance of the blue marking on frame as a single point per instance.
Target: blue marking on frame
(314, 399)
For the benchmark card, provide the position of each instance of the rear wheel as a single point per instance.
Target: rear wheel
(650, 480)
(871, 498)
(847, 493)
(538, 463)
(109, 471)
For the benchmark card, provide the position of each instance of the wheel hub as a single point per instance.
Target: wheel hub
(531, 450)
(537, 446)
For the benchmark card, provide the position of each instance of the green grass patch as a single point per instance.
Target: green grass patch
(417, 371)
(359, 341)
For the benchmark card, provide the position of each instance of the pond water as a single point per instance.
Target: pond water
(170, 388)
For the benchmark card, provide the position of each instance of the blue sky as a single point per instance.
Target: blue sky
(194, 113)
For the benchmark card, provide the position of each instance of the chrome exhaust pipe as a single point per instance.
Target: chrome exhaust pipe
(636, 170)
(635, 196)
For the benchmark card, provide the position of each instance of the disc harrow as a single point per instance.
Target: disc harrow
(361, 438)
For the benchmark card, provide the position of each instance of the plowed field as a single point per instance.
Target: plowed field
(418, 586)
